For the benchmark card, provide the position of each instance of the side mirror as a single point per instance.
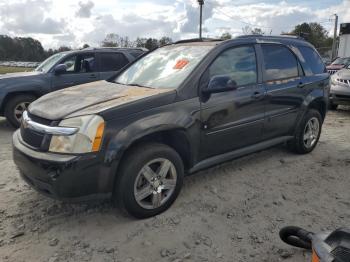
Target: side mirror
(60, 69)
(219, 84)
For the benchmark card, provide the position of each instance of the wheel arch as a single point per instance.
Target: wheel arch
(11, 95)
(320, 105)
(176, 138)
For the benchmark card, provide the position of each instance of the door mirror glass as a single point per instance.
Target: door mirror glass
(221, 83)
(60, 69)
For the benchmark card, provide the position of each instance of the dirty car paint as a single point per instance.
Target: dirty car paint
(88, 99)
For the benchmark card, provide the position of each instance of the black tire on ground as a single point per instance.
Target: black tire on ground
(333, 106)
(297, 145)
(137, 158)
(11, 106)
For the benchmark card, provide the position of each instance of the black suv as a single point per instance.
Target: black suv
(174, 111)
(59, 71)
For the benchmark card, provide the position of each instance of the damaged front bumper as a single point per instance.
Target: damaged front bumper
(62, 176)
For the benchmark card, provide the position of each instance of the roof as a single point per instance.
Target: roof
(109, 49)
(285, 39)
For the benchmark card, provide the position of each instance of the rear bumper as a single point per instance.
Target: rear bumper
(64, 177)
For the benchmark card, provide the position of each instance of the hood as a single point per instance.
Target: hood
(343, 74)
(20, 74)
(335, 67)
(89, 98)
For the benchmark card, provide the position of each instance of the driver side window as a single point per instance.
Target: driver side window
(83, 63)
(70, 63)
(238, 63)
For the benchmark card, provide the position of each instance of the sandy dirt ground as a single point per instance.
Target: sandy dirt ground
(232, 212)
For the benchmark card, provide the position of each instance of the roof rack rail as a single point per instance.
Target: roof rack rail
(272, 36)
(249, 36)
(292, 36)
(118, 48)
(198, 40)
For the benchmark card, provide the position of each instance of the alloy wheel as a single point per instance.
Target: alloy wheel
(311, 132)
(19, 109)
(155, 183)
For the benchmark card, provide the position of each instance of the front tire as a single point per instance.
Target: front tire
(308, 133)
(15, 108)
(149, 180)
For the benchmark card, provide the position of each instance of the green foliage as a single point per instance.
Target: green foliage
(25, 49)
(257, 31)
(226, 36)
(247, 30)
(115, 40)
(21, 48)
(152, 44)
(165, 41)
(314, 33)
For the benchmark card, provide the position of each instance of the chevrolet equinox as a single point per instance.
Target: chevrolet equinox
(179, 109)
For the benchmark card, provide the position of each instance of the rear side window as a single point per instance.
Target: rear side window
(238, 63)
(312, 60)
(136, 53)
(279, 62)
(112, 61)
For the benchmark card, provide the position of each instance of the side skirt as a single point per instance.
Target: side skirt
(238, 153)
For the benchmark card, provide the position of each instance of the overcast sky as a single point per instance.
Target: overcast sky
(73, 23)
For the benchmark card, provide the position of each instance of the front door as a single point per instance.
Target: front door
(233, 119)
(81, 69)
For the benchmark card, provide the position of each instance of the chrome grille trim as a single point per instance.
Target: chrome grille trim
(51, 130)
(332, 72)
(343, 81)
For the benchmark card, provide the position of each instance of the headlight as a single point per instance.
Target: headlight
(333, 80)
(87, 139)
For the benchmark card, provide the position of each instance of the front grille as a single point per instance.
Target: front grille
(344, 81)
(332, 71)
(35, 139)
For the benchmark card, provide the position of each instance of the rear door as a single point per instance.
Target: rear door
(81, 69)
(284, 84)
(111, 63)
(233, 119)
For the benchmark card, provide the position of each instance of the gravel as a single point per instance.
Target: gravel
(231, 212)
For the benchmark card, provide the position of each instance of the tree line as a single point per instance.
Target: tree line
(29, 49)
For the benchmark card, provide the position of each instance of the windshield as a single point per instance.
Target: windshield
(166, 67)
(49, 62)
(342, 61)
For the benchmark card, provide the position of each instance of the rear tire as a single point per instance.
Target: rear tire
(149, 180)
(308, 133)
(15, 107)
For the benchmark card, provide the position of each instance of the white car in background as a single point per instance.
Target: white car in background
(340, 88)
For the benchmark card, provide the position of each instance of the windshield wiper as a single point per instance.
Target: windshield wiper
(138, 85)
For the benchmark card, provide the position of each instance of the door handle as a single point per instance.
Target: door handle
(257, 95)
(92, 76)
(301, 85)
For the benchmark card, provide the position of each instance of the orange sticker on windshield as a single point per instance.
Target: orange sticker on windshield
(181, 64)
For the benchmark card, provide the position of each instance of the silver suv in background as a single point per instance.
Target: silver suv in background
(18, 90)
(340, 88)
